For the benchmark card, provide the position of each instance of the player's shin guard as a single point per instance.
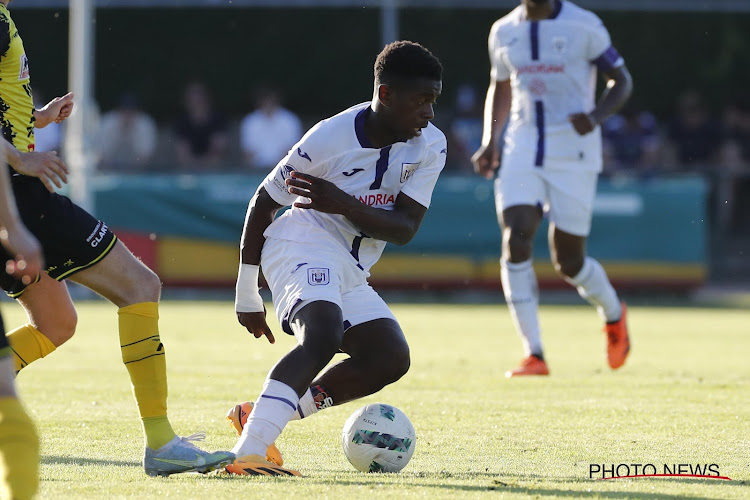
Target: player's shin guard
(594, 286)
(522, 295)
(19, 451)
(274, 408)
(28, 344)
(143, 355)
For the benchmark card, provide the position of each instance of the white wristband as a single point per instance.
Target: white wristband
(247, 297)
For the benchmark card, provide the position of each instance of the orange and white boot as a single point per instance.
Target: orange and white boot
(532, 365)
(255, 465)
(237, 418)
(618, 341)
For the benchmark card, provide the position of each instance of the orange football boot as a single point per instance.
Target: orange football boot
(255, 465)
(237, 417)
(618, 341)
(529, 366)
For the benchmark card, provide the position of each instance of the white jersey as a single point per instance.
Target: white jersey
(552, 68)
(338, 151)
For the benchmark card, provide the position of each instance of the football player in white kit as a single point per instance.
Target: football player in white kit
(355, 181)
(545, 55)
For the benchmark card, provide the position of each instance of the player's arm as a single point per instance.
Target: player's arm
(14, 236)
(396, 226)
(248, 303)
(618, 89)
(496, 108)
(46, 166)
(57, 110)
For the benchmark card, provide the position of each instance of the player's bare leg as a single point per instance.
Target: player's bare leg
(569, 257)
(52, 321)
(318, 328)
(379, 356)
(129, 284)
(520, 224)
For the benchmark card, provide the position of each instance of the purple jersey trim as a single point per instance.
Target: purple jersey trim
(609, 59)
(534, 32)
(556, 10)
(359, 129)
(540, 131)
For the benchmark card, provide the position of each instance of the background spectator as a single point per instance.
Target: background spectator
(267, 134)
(201, 131)
(694, 133)
(127, 136)
(631, 142)
(465, 130)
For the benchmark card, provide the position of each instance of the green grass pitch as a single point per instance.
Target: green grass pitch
(683, 397)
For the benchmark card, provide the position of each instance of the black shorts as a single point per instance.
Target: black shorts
(4, 346)
(71, 238)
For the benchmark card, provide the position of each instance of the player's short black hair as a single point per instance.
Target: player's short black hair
(406, 60)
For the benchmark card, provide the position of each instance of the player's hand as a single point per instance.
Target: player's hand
(255, 323)
(584, 123)
(57, 110)
(324, 196)
(28, 262)
(486, 161)
(47, 166)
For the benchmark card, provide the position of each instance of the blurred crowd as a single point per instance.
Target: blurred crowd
(695, 139)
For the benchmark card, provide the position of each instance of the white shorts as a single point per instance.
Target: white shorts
(565, 195)
(300, 273)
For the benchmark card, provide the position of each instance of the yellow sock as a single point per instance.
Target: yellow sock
(28, 344)
(143, 355)
(19, 451)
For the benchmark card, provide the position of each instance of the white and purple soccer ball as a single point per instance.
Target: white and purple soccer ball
(378, 438)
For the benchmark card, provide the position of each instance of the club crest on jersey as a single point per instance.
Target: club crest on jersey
(407, 169)
(23, 72)
(286, 171)
(559, 44)
(318, 276)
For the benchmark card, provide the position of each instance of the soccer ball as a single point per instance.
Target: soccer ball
(378, 438)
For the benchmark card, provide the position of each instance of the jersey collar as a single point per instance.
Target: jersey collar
(553, 15)
(359, 128)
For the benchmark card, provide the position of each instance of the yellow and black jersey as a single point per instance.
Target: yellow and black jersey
(16, 103)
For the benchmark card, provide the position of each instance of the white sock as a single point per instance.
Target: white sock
(306, 406)
(522, 295)
(272, 411)
(594, 286)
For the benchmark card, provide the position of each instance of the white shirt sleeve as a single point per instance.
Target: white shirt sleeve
(304, 157)
(420, 185)
(600, 49)
(500, 71)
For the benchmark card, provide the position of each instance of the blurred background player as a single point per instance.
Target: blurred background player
(19, 444)
(544, 56)
(201, 131)
(267, 133)
(78, 246)
(355, 181)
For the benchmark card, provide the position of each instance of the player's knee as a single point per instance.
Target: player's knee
(62, 328)
(519, 246)
(150, 283)
(394, 363)
(145, 286)
(321, 346)
(568, 266)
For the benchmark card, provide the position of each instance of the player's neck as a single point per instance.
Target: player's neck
(377, 130)
(540, 12)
